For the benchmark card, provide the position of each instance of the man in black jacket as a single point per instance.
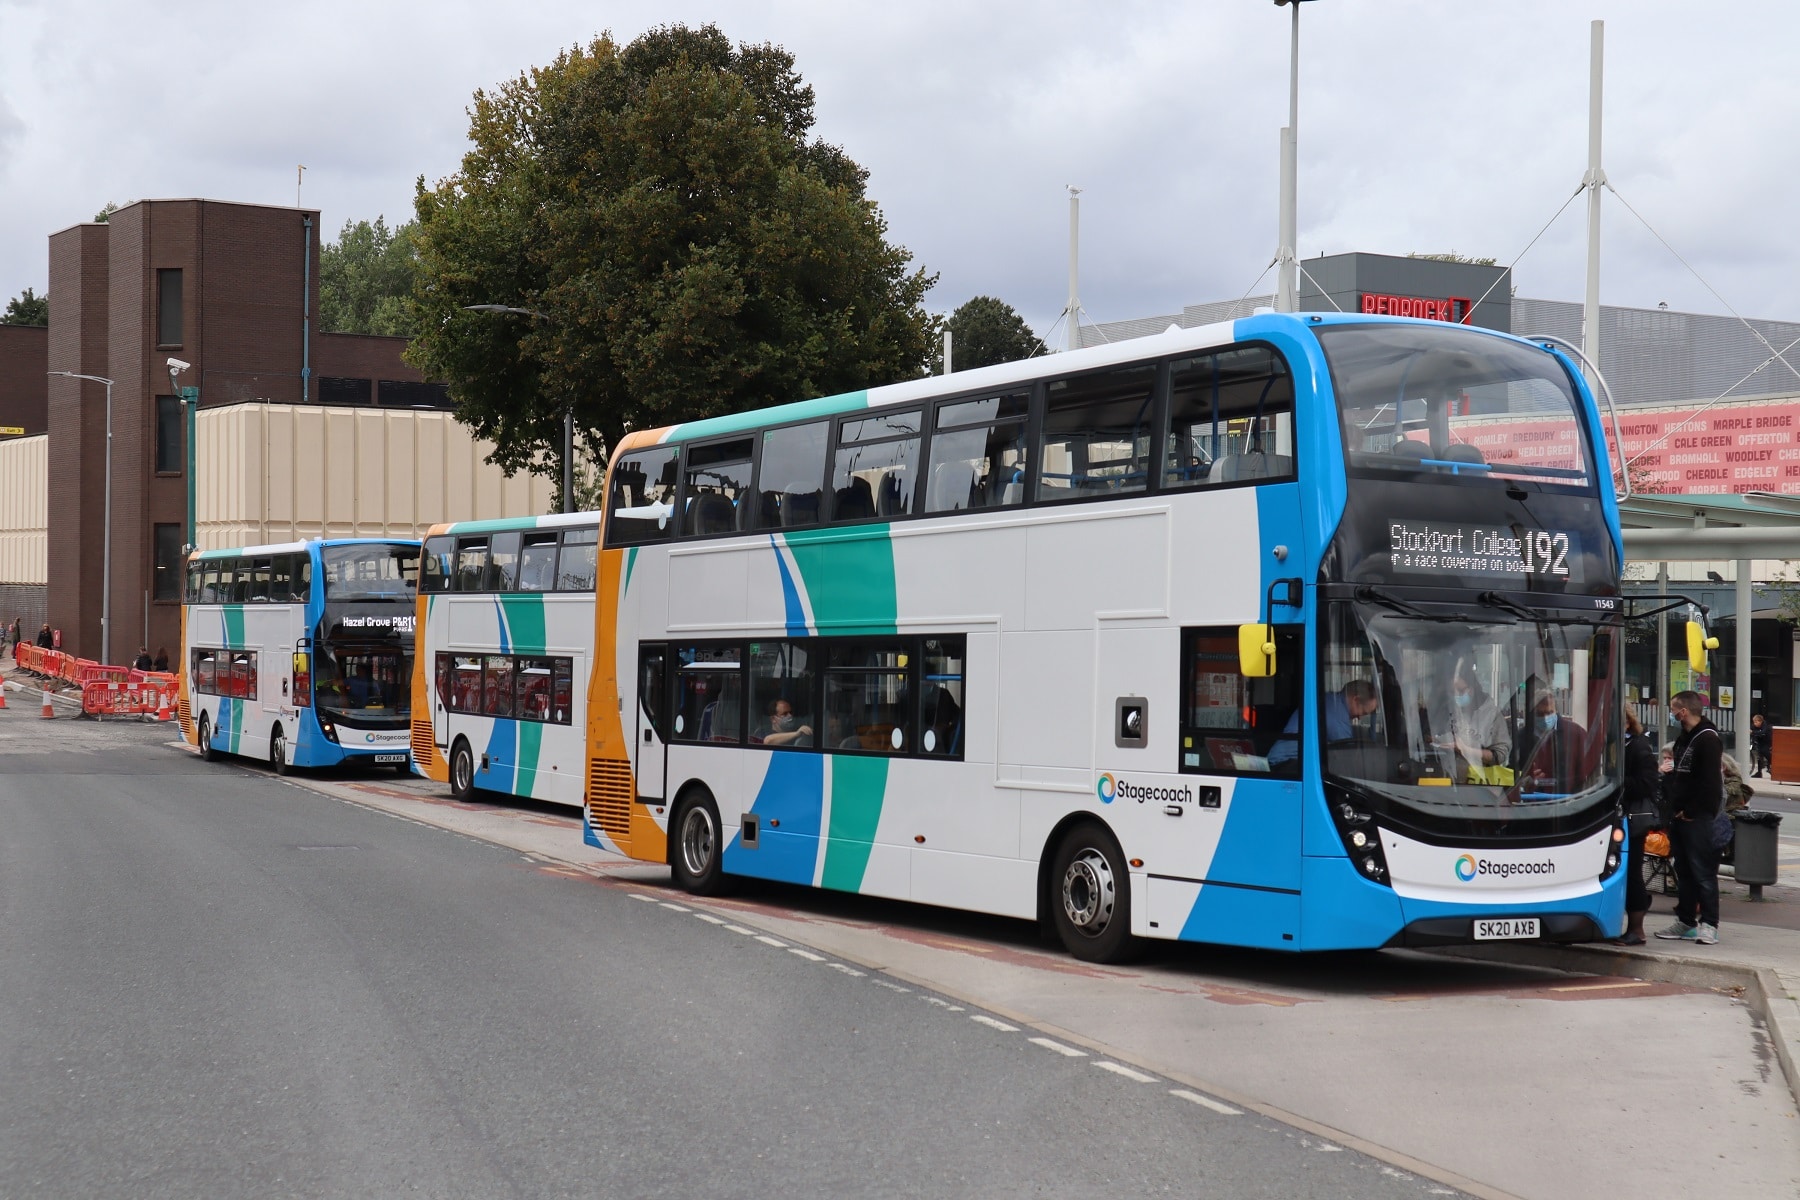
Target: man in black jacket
(1695, 787)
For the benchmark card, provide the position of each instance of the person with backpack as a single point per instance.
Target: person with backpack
(1762, 738)
(1694, 787)
(1642, 784)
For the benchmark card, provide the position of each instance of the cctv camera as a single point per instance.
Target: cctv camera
(175, 364)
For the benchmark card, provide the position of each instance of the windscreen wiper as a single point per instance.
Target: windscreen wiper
(1496, 600)
(1369, 595)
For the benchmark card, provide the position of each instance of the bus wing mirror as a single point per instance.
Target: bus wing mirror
(1256, 651)
(1698, 643)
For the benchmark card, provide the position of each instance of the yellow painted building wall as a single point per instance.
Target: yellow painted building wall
(24, 509)
(284, 472)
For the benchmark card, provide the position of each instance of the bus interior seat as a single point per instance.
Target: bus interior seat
(1410, 448)
(741, 509)
(1464, 453)
(855, 502)
(713, 513)
(799, 507)
(1252, 464)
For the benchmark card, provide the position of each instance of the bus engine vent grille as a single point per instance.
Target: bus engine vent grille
(609, 797)
(422, 744)
(185, 716)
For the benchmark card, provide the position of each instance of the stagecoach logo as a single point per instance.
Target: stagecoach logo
(385, 739)
(1114, 787)
(1468, 867)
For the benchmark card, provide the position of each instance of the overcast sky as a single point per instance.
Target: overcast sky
(1424, 126)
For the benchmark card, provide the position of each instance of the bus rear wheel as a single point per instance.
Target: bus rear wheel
(1090, 899)
(206, 748)
(697, 848)
(462, 770)
(278, 751)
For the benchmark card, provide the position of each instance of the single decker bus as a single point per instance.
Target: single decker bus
(300, 653)
(1299, 632)
(506, 636)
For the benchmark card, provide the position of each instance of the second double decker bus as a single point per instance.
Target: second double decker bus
(506, 633)
(300, 653)
(1298, 632)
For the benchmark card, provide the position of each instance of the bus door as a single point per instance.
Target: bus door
(649, 747)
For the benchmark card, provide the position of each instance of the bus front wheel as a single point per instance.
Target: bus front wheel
(697, 846)
(206, 748)
(278, 751)
(462, 771)
(1091, 897)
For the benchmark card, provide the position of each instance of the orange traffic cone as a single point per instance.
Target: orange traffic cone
(48, 711)
(162, 707)
(2, 696)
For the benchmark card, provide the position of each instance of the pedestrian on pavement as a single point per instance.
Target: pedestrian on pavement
(1695, 786)
(1737, 789)
(1642, 780)
(143, 661)
(1762, 736)
(45, 639)
(162, 659)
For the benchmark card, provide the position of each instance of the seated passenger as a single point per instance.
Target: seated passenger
(784, 729)
(1341, 710)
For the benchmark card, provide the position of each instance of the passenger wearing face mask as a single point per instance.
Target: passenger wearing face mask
(1558, 763)
(1478, 732)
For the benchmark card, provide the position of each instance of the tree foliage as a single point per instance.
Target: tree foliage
(366, 279)
(691, 249)
(1453, 257)
(985, 331)
(26, 308)
(106, 212)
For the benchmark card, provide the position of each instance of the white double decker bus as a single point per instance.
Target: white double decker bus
(506, 634)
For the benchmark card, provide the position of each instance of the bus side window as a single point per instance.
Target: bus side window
(709, 694)
(537, 562)
(868, 697)
(790, 479)
(1231, 419)
(1231, 725)
(641, 497)
(717, 499)
(503, 562)
(876, 468)
(1097, 434)
(942, 699)
(471, 564)
(578, 564)
(978, 455)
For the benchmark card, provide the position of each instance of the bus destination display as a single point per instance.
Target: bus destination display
(1484, 550)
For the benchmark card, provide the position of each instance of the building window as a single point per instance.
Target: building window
(403, 393)
(167, 585)
(345, 392)
(170, 435)
(168, 307)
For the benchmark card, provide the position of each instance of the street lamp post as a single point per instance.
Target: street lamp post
(106, 542)
(1287, 290)
(568, 447)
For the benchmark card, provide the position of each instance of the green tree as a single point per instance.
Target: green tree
(111, 207)
(689, 248)
(985, 331)
(1453, 257)
(366, 279)
(26, 308)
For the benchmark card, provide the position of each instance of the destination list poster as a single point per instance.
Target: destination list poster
(1728, 448)
(1432, 547)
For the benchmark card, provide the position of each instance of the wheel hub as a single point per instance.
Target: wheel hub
(697, 841)
(1089, 892)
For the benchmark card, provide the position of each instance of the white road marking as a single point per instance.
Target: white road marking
(675, 907)
(846, 970)
(1209, 1102)
(1127, 1072)
(766, 940)
(991, 1023)
(709, 918)
(892, 987)
(742, 930)
(1065, 1051)
(943, 1004)
(644, 898)
(808, 955)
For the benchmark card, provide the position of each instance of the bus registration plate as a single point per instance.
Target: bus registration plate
(1517, 927)
(400, 758)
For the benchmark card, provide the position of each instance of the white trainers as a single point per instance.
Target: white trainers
(1706, 935)
(1679, 931)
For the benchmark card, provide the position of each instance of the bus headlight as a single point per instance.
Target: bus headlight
(328, 729)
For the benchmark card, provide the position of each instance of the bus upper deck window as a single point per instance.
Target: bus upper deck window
(577, 566)
(641, 496)
(537, 562)
(1231, 419)
(471, 564)
(1097, 434)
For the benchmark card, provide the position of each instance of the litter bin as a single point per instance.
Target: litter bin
(1757, 858)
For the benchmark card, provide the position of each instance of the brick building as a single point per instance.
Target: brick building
(232, 290)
